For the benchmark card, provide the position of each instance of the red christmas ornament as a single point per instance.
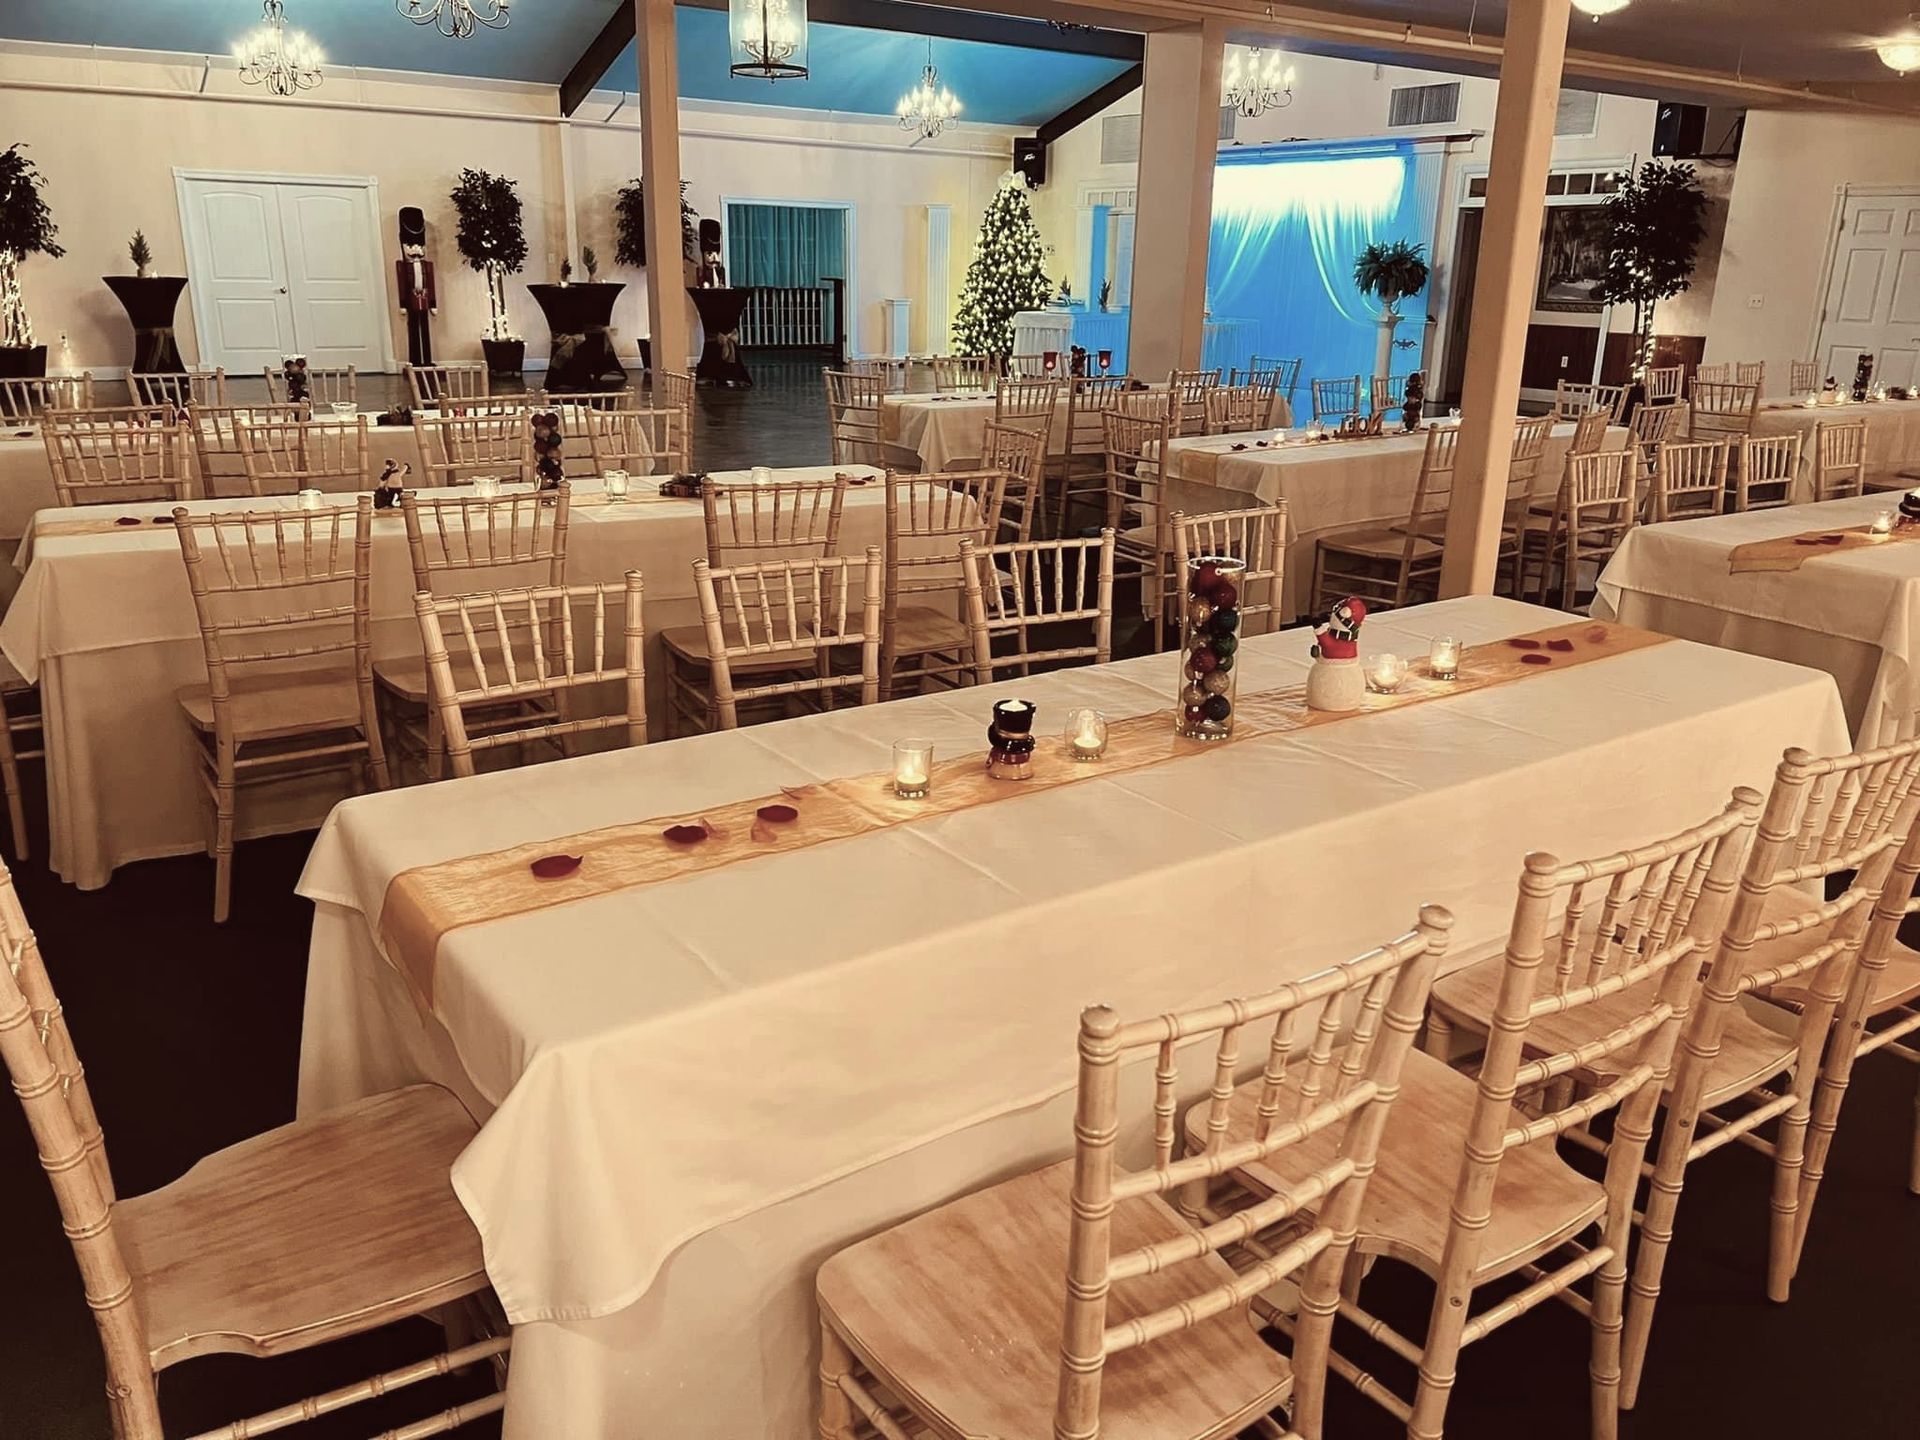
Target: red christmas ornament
(1204, 660)
(1206, 578)
(1225, 596)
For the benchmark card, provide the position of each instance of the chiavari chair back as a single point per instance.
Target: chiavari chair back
(641, 442)
(1033, 366)
(1336, 398)
(284, 455)
(1573, 401)
(964, 372)
(1839, 459)
(1524, 458)
(1089, 398)
(1766, 471)
(1689, 479)
(1589, 431)
(182, 389)
(794, 615)
(455, 448)
(675, 388)
(787, 519)
(350, 1223)
(893, 373)
(1651, 425)
(1271, 381)
(1017, 456)
(1015, 588)
(856, 412)
(1721, 374)
(469, 544)
(1393, 565)
(106, 457)
(576, 411)
(1153, 1338)
(326, 384)
(923, 635)
(1803, 377)
(1721, 410)
(1751, 372)
(1285, 373)
(435, 384)
(1134, 507)
(1256, 538)
(214, 433)
(1236, 409)
(1190, 389)
(1388, 392)
(1028, 405)
(30, 398)
(1597, 505)
(524, 648)
(282, 598)
(1665, 382)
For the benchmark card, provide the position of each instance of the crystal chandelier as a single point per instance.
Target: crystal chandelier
(1256, 81)
(767, 39)
(456, 19)
(929, 107)
(283, 60)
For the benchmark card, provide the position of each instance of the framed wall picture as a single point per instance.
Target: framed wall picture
(1573, 259)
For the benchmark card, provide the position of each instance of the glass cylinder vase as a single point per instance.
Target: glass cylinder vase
(1209, 652)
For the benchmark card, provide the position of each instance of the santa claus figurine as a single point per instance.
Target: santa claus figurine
(1338, 636)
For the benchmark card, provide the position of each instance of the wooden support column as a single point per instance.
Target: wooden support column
(1530, 65)
(1173, 216)
(660, 172)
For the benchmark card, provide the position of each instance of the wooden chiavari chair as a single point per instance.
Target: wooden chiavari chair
(1237, 409)
(1573, 401)
(1190, 389)
(1271, 381)
(30, 398)
(336, 1225)
(1528, 512)
(526, 647)
(1016, 455)
(1803, 377)
(1713, 374)
(432, 384)
(1392, 565)
(1689, 479)
(1665, 382)
(1732, 1074)
(1751, 372)
(454, 448)
(1029, 405)
(856, 417)
(289, 691)
(780, 623)
(923, 636)
(468, 545)
(1839, 457)
(26, 723)
(1566, 1000)
(1335, 399)
(1596, 507)
(282, 456)
(1016, 588)
(577, 408)
(213, 432)
(1765, 471)
(1388, 392)
(964, 372)
(893, 372)
(983, 1272)
(641, 442)
(182, 389)
(1285, 373)
(1256, 538)
(113, 456)
(1722, 410)
(1089, 398)
(1032, 367)
(675, 389)
(326, 384)
(1650, 426)
(1135, 506)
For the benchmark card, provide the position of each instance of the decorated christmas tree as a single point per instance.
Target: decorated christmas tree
(1004, 277)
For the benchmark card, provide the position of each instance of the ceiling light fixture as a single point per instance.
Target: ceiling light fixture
(283, 60)
(1597, 8)
(767, 39)
(1256, 81)
(1901, 52)
(457, 19)
(930, 107)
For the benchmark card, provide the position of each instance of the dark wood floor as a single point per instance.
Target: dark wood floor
(190, 1033)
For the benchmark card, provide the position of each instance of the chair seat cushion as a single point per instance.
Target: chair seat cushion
(961, 1309)
(281, 704)
(320, 1228)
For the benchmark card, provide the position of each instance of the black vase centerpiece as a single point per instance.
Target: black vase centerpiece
(293, 370)
(1863, 376)
(1415, 402)
(1011, 740)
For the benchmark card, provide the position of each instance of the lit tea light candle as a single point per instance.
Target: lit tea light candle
(344, 409)
(616, 484)
(1443, 658)
(1086, 734)
(1882, 524)
(311, 500)
(1812, 400)
(912, 768)
(486, 486)
(1387, 673)
(761, 475)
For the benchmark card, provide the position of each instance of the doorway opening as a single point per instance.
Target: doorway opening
(796, 257)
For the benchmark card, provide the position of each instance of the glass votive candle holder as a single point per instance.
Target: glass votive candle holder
(615, 482)
(1086, 734)
(345, 409)
(1443, 658)
(486, 487)
(311, 500)
(1386, 673)
(912, 768)
(1882, 523)
(761, 474)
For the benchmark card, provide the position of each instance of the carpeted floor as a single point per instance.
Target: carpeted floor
(190, 1034)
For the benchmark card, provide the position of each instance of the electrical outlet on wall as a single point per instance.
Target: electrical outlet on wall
(1563, 362)
(1756, 302)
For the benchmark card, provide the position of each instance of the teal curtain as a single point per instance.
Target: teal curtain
(785, 244)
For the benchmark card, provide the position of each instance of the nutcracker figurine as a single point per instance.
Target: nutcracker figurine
(414, 274)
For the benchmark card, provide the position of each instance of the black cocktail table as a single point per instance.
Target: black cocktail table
(149, 304)
(582, 357)
(720, 312)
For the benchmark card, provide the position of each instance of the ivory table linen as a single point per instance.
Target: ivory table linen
(105, 623)
(1854, 614)
(698, 1088)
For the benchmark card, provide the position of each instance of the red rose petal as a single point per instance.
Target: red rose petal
(1536, 659)
(685, 834)
(778, 814)
(552, 867)
(1521, 642)
(1565, 647)
(129, 520)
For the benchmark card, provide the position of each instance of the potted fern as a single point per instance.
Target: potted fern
(1390, 273)
(26, 228)
(630, 229)
(492, 239)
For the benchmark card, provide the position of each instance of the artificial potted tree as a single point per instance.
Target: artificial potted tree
(1655, 222)
(141, 254)
(26, 228)
(492, 239)
(1390, 273)
(630, 227)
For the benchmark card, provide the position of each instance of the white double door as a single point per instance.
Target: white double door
(284, 266)
(1873, 300)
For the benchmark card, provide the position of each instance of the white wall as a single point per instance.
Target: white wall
(108, 131)
(1780, 224)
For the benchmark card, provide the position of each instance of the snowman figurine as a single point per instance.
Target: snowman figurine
(1335, 683)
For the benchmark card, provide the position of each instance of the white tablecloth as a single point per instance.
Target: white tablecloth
(1856, 616)
(699, 1089)
(1037, 331)
(1893, 430)
(105, 623)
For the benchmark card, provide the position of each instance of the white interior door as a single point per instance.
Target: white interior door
(281, 267)
(1873, 299)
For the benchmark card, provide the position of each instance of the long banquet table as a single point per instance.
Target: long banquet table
(1328, 484)
(697, 1089)
(1855, 615)
(104, 621)
(1893, 431)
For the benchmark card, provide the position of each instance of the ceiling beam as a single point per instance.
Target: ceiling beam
(937, 21)
(1084, 109)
